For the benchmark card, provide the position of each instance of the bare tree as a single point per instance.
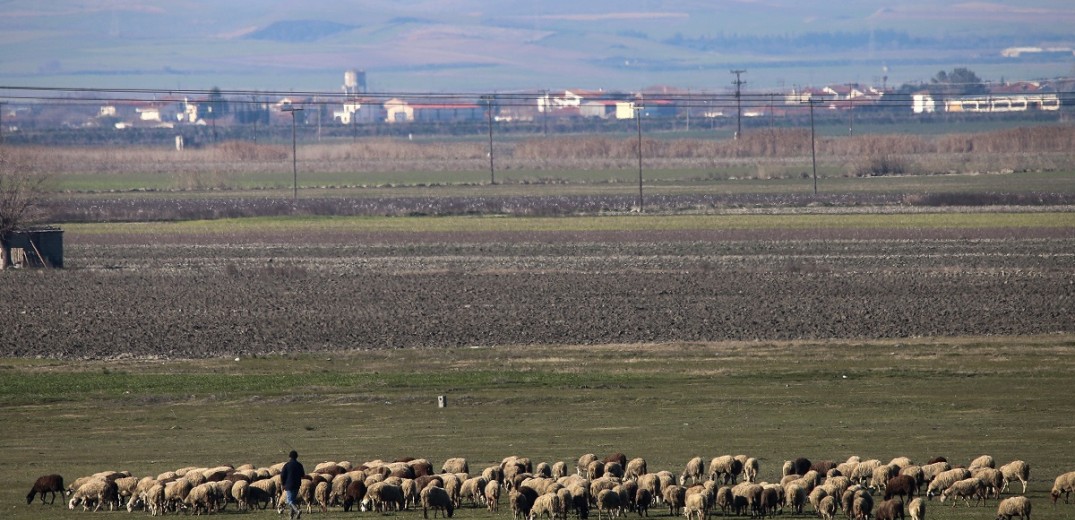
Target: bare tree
(22, 193)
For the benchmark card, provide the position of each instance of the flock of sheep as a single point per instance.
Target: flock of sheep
(613, 485)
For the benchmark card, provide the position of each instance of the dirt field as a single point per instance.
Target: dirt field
(262, 293)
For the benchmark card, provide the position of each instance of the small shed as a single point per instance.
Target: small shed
(39, 247)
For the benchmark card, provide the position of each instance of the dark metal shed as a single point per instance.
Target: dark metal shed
(39, 247)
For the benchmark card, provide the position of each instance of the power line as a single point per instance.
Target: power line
(738, 102)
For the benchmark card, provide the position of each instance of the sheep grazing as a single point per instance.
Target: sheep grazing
(992, 479)
(942, 481)
(965, 489)
(455, 465)
(696, 506)
(984, 461)
(674, 497)
(889, 510)
(816, 496)
(321, 495)
(770, 501)
(1014, 506)
(609, 502)
(643, 498)
(750, 469)
(595, 470)
(694, 470)
(614, 469)
(546, 505)
(725, 469)
(1015, 470)
(492, 496)
(356, 493)
(382, 497)
(437, 499)
(240, 492)
(584, 463)
(202, 498)
(520, 505)
(917, 509)
(636, 467)
(98, 492)
(474, 489)
(900, 486)
(1063, 485)
(46, 484)
(725, 500)
(827, 508)
(862, 506)
(617, 457)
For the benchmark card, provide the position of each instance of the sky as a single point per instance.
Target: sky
(500, 45)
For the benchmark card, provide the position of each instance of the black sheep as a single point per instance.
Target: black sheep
(46, 484)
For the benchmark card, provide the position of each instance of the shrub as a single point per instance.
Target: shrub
(882, 164)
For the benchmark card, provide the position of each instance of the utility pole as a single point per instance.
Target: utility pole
(294, 157)
(851, 111)
(489, 111)
(638, 119)
(813, 148)
(738, 102)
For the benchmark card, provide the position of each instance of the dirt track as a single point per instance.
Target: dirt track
(243, 296)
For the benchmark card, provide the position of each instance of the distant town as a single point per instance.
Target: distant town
(957, 92)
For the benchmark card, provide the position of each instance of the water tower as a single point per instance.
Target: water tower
(354, 81)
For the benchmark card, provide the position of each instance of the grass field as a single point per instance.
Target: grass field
(665, 402)
(624, 223)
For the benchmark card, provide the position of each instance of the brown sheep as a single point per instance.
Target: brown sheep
(889, 510)
(903, 486)
(46, 484)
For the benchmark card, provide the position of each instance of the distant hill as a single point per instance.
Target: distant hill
(297, 31)
(478, 45)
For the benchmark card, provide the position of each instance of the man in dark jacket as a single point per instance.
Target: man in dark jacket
(291, 477)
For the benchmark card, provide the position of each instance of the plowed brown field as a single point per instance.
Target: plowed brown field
(207, 296)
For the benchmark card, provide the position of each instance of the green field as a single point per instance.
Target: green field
(665, 402)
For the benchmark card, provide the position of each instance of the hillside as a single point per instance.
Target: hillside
(479, 44)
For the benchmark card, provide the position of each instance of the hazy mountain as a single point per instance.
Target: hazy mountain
(481, 45)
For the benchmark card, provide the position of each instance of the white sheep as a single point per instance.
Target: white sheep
(96, 491)
(724, 467)
(437, 499)
(750, 469)
(694, 470)
(816, 496)
(559, 469)
(474, 489)
(984, 461)
(1015, 470)
(636, 467)
(827, 508)
(546, 505)
(917, 509)
(455, 465)
(584, 463)
(240, 492)
(696, 505)
(795, 497)
(492, 496)
(930, 471)
(321, 495)
(608, 502)
(992, 479)
(965, 489)
(1063, 485)
(862, 506)
(946, 479)
(202, 497)
(1014, 506)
